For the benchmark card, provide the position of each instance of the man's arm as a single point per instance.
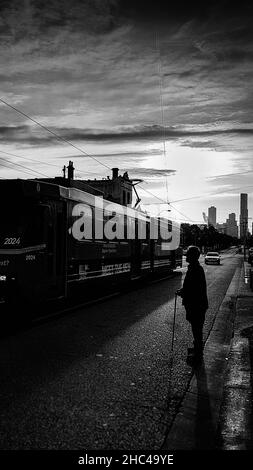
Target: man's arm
(203, 288)
(180, 292)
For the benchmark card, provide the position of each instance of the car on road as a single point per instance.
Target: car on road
(212, 257)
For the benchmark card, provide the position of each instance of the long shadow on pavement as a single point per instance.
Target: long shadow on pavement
(204, 431)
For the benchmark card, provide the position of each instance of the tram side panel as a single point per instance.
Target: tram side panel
(55, 223)
(94, 264)
(166, 257)
(23, 253)
(163, 258)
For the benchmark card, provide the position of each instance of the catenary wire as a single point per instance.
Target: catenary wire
(44, 163)
(52, 132)
(88, 155)
(31, 172)
(56, 135)
(23, 166)
(157, 45)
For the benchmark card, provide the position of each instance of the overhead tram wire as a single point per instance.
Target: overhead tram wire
(199, 196)
(157, 45)
(30, 173)
(44, 163)
(161, 88)
(164, 202)
(190, 198)
(145, 190)
(212, 194)
(53, 133)
(51, 164)
(22, 166)
(30, 169)
(185, 220)
(74, 146)
(27, 158)
(181, 213)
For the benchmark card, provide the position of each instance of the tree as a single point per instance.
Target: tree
(207, 238)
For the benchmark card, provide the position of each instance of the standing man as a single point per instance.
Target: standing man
(194, 295)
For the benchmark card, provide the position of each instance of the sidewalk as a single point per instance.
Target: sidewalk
(216, 412)
(236, 411)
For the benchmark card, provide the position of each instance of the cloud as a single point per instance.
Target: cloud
(198, 138)
(122, 154)
(150, 172)
(229, 175)
(110, 78)
(21, 19)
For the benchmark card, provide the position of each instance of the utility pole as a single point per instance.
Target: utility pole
(244, 242)
(245, 227)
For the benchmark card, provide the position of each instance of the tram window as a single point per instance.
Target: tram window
(11, 223)
(148, 230)
(50, 239)
(130, 228)
(59, 242)
(22, 225)
(33, 225)
(142, 229)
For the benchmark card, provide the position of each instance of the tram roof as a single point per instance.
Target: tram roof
(35, 189)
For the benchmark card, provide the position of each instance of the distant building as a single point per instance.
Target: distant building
(118, 189)
(243, 216)
(232, 227)
(221, 228)
(212, 216)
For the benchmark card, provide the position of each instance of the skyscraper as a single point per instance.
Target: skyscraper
(212, 216)
(232, 228)
(243, 216)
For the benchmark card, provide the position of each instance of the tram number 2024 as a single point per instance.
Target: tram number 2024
(12, 241)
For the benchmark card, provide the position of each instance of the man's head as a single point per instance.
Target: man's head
(192, 254)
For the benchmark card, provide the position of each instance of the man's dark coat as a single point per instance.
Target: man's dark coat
(194, 292)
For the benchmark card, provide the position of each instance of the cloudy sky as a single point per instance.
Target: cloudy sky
(162, 92)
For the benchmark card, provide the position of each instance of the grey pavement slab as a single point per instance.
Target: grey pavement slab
(236, 411)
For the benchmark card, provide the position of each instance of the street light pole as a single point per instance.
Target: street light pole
(245, 227)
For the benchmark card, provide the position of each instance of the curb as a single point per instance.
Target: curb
(235, 431)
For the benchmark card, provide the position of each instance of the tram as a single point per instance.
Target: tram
(59, 243)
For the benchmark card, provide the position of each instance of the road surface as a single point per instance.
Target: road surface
(103, 377)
